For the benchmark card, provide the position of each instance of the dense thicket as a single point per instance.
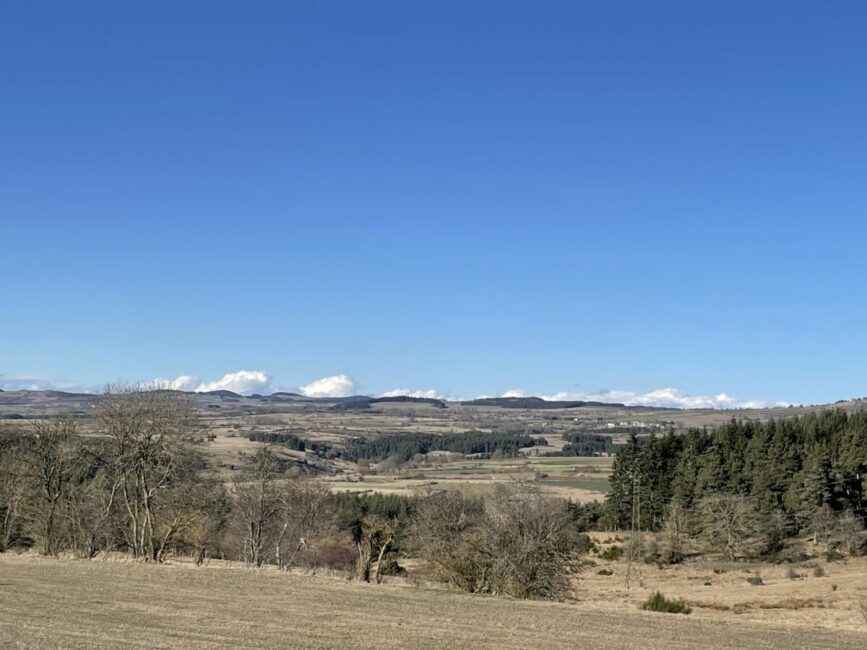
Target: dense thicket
(792, 471)
(403, 447)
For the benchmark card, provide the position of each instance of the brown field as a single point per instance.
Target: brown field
(79, 604)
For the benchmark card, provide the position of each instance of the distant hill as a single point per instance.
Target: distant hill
(438, 403)
(534, 403)
(33, 403)
(222, 393)
(363, 403)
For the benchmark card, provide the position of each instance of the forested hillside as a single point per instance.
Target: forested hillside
(794, 473)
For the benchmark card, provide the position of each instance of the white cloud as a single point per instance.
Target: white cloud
(334, 386)
(243, 382)
(184, 382)
(665, 397)
(431, 393)
(514, 392)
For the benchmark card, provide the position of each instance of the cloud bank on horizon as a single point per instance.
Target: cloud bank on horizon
(664, 397)
(431, 393)
(250, 382)
(243, 382)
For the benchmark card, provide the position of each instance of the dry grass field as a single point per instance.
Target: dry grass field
(816, 592)
(78, 604)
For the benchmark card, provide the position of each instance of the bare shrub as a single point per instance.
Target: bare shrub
(334, 551)
(848, 531)
(515, 542)
(671, 544)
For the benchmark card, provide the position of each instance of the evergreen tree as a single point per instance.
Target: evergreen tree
(624, 476)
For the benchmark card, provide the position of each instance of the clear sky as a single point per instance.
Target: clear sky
(458, 197)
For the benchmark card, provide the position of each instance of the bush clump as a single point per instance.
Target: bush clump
(659, 603)
(612, 553)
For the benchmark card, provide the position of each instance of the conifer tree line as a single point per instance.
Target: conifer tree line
(584, 444)
(789, 476)
(402, 447)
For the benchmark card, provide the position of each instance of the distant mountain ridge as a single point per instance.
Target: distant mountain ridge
(29, 403)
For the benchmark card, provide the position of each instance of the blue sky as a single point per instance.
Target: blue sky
(463, 198)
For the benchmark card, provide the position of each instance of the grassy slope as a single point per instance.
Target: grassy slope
(77, 604)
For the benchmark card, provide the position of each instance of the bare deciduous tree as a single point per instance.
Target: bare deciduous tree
(306, 516)
(12, 489)
(729, 522)
(151, 433)
(674, 529)
(46, 457)
(848, 531)
(823, 524)
(257, 505)
(90, 510)
(377, 536)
